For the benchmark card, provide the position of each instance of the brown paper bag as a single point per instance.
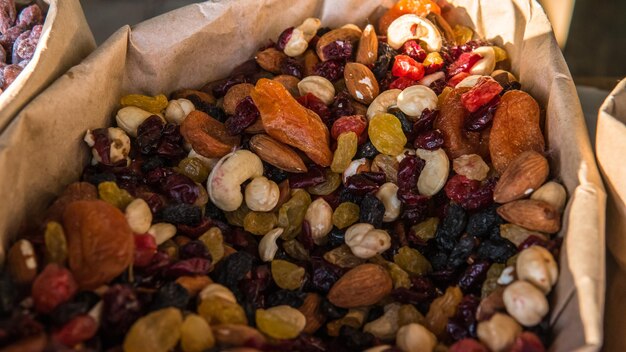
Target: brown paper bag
(610, 150)
(65, 41)
(202, 42)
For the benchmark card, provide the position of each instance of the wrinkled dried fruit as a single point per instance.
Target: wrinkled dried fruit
(346, 149)
(385, 132)
(259, 223)
(100, 242)
(154, 105)
(220, 310)
(442, 309)
(280, 322)
(158, 331)
(412, 261)
(346, 214)
(54, 286)
(196, 334)
(207, 136)
(287, 275)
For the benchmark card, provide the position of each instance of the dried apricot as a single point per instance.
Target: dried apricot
(515, 129)
(207, 136)
(100, 242)
(289, 122)
(403, 7)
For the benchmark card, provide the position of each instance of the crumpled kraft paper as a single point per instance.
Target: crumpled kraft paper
(203, 42)
(65, 41)
(610, 149)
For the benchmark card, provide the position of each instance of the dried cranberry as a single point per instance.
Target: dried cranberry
(527, 342)
(342, 105)
(313, 177)
(456, 79)
(354, 123)
(377, 177)
(463, 324)
(180, 188)
(246, 113)
(414, 213)
(332, 70)
(194, 249)
(283, 38)
(414, 50)
(480, 94)
(402, 83)
(438, 86)
(291, 66)
(405, 66)
(160, 260)
(120, 309)
(468, 345)
(425, 121)
(452, 53)
(194, 266)
(154, 200)
(474, 275)
(481, 118)
(463, 64)
(77, 330)
(149, 134)
(360, 185)
(196, 230)
(409, 171)
(316, 105)
(338, 50)
(52, 287)
(470, 194)
(430, 140)
(145, 248)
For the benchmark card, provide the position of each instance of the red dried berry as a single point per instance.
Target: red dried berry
(402, 83)
(405, 66)
(54, 285)
(354, 123)
(194, 266)
(246, 113)
(468, 345)
(528, 342)
(481, 118)
(456, 79)
(283, 38)
(426, 120)
(338, 50)
(482, 93)
(430, 140)
(145, 249)
(414, 50)
(80, 328)
(409, 171)
(470, 194)
(464, 63)
(315, 104)
(332, 70)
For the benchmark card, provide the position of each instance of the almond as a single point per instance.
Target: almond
(276, 153)
(340, 34)
(367, 53)
(310, 61)
(532, 214)
(360, 82)
(310, 309)
(523, 176)
(22, 262)
(270, 59)
(235, 95)
(364, 285)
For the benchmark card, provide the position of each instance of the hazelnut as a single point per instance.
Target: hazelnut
(499, 332)
(526, 303)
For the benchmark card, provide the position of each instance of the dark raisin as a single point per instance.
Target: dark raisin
(209, 109)
(313, 177)
(372, 211)
(474, 275)
(375, 313)
(438, 86)
(338, 50)
(322, 30)
(331, 311)
(180, 188)
(407, 126)
(479, 224)
(185, 214)
(220, 89)
(385, 57)
(171, 294)
(355, 339)
(152, 163)
(80, 304)
(273, 173)
(366, 150)
(149, 134)
(234, 268)
(438, 260)
(97, 178)
(346, 195)
(342, 105)
(246, 113)
(120, 309)
(415, 213)
(461, 251)
(291, 298)
(451, 227)
(496, 250)
(212, 212)
(324, 274)
(425, 121)
(463, 323)
(336, 237)
(291, 66)
(194, 249)
(187, 267)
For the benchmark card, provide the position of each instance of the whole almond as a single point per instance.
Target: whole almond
(235, 95)
(532, 214)
(22, 262)
(270, 59)
(522, 176)
(310, 310)
(360, 82)
(367, 53)
(364, 285)
(340, 34)
(276, 153)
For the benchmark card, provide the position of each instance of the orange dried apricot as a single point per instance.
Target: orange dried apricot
(207, 136)
(403, 7)
(289, 122)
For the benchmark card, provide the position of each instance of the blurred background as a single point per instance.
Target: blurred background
(592, 35)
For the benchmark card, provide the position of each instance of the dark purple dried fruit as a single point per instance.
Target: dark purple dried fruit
(342, 105)
(120, 309)
(291, 298)
(246, 113)
(481, 118)
(332, 70)
(313, 177)
(461, 251)
(451, 227)
(181, 214)
(194, 249)
(470, 194)
(283, 38)
(480, 223)
(372, 211)
(220, 89)
(338, 50)
(180, 188)
(171, 294)
(426, 120)
(360, 185)
(149, 134)
(409, 171)
(291, 66)
(194, 266)
(430, 140)
(497, 250)
(316, 105)
(385, 57)
(474, 275)
(234, 268)
(366, 150)
(414, 50)
(323, 275)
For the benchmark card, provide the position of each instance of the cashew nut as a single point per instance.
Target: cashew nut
(471, 166)
(319, 216)
(468, 81)
(318, 86)
(415, 338)
(410, 26)
(386, 326)
(138, 216)
(388, 195)
(499, 332)
(268, 246)
(365, 241)
(431, 78)
(262, 194)
(435, 172)
(487, 64)
(552, 193)
(301, 36)
(383, 102)
(224, 183)
(525, 302)
(536, 265)
(355, 167)
(217, 290)
(119, 149)
(415, 99)
(177, 110)
(352, 26)
(130, 117)
(162, 232)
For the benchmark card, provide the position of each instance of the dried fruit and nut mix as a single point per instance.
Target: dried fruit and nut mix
(20, 29)
(346, 189)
